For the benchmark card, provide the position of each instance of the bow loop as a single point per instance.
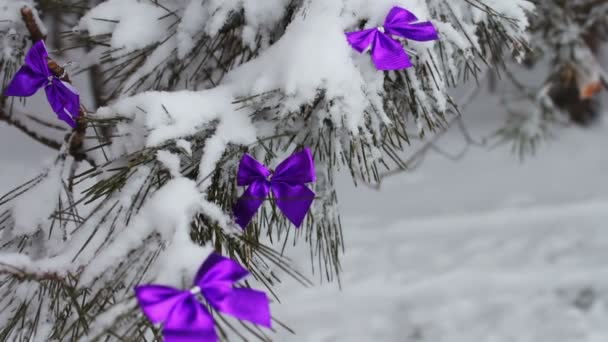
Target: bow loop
(362, 40)
(26, 82)
(189, 321)
(243, 303)
(219, 271)
(251, 170)
(298, 168)
(157, 301)
(216, 278)
(37, 59)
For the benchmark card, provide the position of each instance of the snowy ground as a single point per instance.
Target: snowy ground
(486, 249)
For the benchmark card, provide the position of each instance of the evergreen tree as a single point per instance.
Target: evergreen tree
(143, 185)
(566, 36)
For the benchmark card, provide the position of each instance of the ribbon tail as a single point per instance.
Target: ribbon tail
(250, 170)
(26, 82)
(64, 101)
(388, 54)
(189, 321)
(245, 304)
(299, 168)
(218, 268)
(249, 203)
(293, 200)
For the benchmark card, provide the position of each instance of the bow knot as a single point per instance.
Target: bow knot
(269, 177)
(35, 74)
(185, 319)
(286, 183)
(387, 52)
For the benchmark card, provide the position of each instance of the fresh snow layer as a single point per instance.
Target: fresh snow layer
(130, 23)
(168, 212)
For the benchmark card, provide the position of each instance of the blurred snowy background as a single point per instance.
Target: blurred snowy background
(483, 249)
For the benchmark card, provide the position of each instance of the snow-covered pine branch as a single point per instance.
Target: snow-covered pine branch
(191, 86)
(13, 42)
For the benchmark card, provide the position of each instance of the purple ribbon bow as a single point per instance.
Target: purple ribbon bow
(35, 74)
(387, 52)
(185, 319)
(286, 183)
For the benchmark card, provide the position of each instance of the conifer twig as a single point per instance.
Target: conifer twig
(76, 138)
(5, 117)
(22, 274)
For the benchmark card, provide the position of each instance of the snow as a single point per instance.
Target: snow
(185, 145)
(12, 261)
(485, 249)
(105, 320)
(128, 21)
(482, 250)
(13, 31)
(209, 16)
(33, 209)
(10, 13)
(158, 117)
(510, 11)
(234, 128)
(312, 54)
(314, 43)
(170, 162)
(168, 212)
(486, 276)
(172, 115)
(194, 17)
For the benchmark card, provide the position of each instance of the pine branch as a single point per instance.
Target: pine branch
(76, 139)
(25, 274)
(11, 120)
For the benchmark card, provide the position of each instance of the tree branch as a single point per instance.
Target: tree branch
(76, 139)
(32, 26)
(22, 267)
(55, 145)
(22, 274)
(417, 156)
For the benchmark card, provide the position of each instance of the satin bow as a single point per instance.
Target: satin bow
(286, 183)
(387, 52)
(35, 74)
(185, 319)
